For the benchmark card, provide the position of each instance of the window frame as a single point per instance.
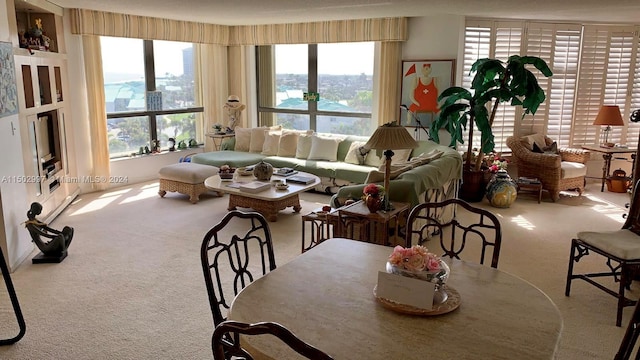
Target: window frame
(150, 85)
(312, 86)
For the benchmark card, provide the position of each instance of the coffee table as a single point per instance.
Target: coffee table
(267, 202)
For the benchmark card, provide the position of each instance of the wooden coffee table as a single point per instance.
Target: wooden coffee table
(267, 202)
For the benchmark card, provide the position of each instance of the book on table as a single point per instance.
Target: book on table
(528, 180)
(286, 172)
(301, 179)
(254, 186)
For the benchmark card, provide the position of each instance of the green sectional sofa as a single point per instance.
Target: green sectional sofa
(412, 182)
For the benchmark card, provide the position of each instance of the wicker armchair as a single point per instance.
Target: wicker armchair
(565, 171)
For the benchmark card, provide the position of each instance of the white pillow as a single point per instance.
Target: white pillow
(373, 159)
(257, 139)
(271, 143)
(538, 139)
(288, 143)
(353, 154)
(243, 138)
(400, 156)
(304, 146)
(323, 148)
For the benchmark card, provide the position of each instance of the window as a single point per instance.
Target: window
(342, 75)
(593, 65)
(149, 94)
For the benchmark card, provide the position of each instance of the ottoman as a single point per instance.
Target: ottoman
(186, 178)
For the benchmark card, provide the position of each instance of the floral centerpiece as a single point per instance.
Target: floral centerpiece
(496, 162)
(417, 262)
(373, 196)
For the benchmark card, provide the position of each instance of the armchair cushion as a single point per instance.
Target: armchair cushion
(572, 169)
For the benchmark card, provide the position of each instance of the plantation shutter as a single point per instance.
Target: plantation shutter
(634, 128)
(559, 46)
(493, 39)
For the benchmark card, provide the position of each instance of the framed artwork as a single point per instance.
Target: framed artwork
(8, 87)
(422, 82)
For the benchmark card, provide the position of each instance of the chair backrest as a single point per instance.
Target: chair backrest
(633, 217)
(234, 328)
(226, 250)
(468, 224)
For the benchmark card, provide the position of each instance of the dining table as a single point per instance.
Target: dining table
(325, 296)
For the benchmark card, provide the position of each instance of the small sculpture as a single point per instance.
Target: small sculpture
(233, 108)
(53, 250)
(172, 144)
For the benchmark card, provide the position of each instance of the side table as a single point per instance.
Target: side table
(356, 222)
(319, 226)
(218, 138)
(607, 156)
(530, 184)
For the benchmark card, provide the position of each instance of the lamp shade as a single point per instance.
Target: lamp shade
(391, 136)
(609, 115)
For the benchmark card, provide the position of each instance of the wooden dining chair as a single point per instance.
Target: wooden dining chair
(621, 248)
(235, 329)
(630, 337)
(456, 232)
(224, 255)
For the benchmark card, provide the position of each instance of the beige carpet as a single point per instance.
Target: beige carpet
(132, 286)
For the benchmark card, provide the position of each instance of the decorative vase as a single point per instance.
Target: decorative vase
(374, 203)
(502, 190)
(438, 277)
(263, 171)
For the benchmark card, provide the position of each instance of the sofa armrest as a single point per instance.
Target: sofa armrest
(575, 155)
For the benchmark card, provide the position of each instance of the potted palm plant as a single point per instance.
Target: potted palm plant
(494, 82)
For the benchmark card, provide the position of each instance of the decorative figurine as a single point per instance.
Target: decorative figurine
(53, 250)
(193, 143)
(172, 144)
(155, 146)
(182, 145)
(146, 150)
(233, 108)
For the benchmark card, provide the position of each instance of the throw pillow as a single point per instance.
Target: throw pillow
(400, 156)
(271, 143)
(354, 155)
(288, 143)
(373, 159)
(324, 148)
(551, 149)
(243, 139)
(537, 139)
(257, 139)
(304, 146)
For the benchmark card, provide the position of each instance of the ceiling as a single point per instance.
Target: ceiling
(247, 12)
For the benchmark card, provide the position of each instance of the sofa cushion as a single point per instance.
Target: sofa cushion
(304, 146)
(324, 148)
(231, 158)
(271, 142)
(257, 139)
(288, 143)
(373, 159)
(356, 153)
(400, 156)
(243, 139)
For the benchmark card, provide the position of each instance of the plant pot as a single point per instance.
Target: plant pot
(473, 186)
(374, 203)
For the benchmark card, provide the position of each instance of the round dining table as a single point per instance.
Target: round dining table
(326, 297)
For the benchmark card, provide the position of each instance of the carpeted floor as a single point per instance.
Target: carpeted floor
(132, 286)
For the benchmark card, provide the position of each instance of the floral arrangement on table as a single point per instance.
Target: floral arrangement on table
(372, 196)
(418, 263)
(416, 258)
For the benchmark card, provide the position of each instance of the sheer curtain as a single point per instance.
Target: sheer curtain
(388, 73)
(212, 85)
(100, 166)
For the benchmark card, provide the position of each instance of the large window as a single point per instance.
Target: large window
(592, 65)
(341, 74)
(149, 94)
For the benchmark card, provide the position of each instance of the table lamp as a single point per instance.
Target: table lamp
(609, 115)
(389, 137)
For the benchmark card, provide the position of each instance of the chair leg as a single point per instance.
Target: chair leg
(572, 256)
(624, 273)
(14, 302)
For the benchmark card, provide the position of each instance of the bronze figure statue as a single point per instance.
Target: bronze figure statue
(52, 243)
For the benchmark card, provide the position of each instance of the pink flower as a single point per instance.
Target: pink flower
(416, 258)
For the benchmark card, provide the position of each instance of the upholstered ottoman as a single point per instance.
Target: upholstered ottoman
(186, 178)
